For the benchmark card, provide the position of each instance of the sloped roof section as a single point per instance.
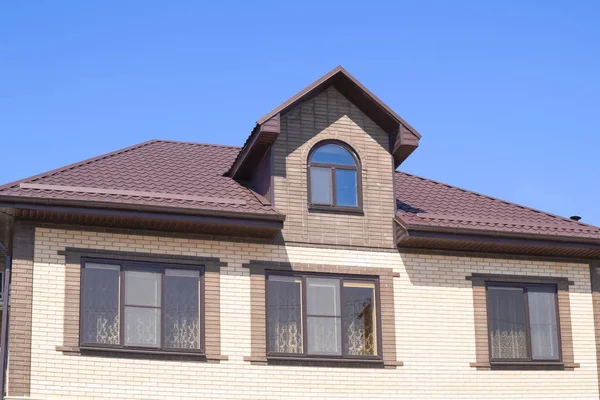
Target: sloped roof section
(155, 174)
(404, 139)
(424, 204)
(188, 178)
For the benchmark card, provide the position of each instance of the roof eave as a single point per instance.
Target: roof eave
(261, 138)
(456, 239)
(107, 207)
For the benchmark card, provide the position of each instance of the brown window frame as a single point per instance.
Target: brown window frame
(483, 361)
(155, 267)
(305, 355)
(529, 358)
(333, 167)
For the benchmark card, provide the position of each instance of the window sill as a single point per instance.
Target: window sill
(140, 353)
(335, 210)
(525, 365)
(324, 361)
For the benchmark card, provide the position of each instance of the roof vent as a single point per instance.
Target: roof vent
(575, 217)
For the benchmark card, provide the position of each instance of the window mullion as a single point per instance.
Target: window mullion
(528, 324)
(333, 187)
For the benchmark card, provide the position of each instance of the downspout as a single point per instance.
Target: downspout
(4, 332)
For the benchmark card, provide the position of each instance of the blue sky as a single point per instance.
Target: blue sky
(506, 93)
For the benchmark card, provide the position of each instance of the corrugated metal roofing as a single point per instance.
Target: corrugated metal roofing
(427, 203)
(181, 175)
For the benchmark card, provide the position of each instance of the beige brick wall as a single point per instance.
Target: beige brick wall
(331, 116)
(434, 332)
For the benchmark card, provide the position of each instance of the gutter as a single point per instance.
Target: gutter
(515, 240)
(414, 230)
(144, 211)
(484, 235)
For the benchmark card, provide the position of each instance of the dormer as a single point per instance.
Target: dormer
(326, 159)
(404, 139)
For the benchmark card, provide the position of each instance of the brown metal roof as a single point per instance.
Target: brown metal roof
(188, 178)
(154, 174)
(428, 205)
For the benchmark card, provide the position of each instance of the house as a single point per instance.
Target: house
(304, 264)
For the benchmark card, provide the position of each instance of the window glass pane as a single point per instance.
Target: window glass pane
(324, 335)
(332, 154)
(142, 326)
(359, 318)
(542, 320)
(284, 314)
(321, 186)
(142, 288)
(508, 337)
(101, 303)
(182, 309)
(345, 186)
(323, 296)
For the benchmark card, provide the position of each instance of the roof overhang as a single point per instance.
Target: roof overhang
(404, 139)
(147, 217)
(472, 240)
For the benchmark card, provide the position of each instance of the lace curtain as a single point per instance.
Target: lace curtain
(182, 325)
(359, 319)
(101, 304)
(361, 338)
(508, 322)
(508, 335)
(103, 328)
(508, 344)
(143, 310)
(284, 315)
(328, 324)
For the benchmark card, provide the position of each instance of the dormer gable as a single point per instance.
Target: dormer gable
(404, 139)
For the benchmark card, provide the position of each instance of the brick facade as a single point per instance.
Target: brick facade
(434, 330)
(331, 116)
(21, 314)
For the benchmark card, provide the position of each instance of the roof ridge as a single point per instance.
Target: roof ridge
(78, 164)
(565, 219)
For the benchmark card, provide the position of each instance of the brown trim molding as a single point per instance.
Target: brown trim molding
(482, 355)
(136, 353)
(135, 256)
(19, 362)
(258, 313)
(595, 282)
(212, 300)
(325, 268)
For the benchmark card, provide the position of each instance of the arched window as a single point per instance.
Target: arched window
(333, 176)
